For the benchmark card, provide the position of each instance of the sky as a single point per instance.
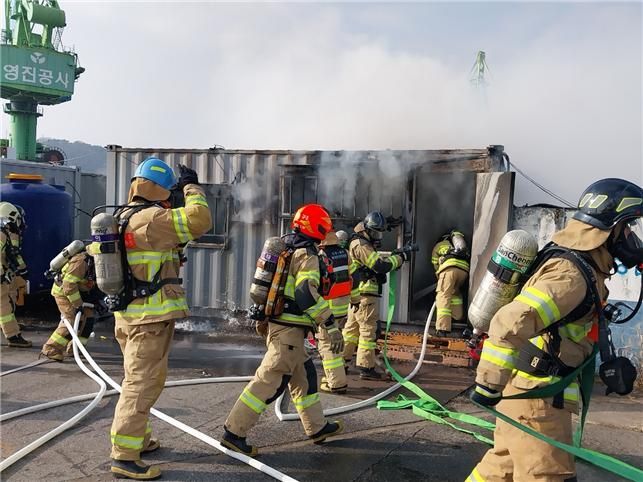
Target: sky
(564, 93)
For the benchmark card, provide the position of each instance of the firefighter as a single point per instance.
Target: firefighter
(451, 264)
(338, 295)
(71, 288)
(145, 327)
(368, 269)
(286, 362)
(598, 233)
(14, 271)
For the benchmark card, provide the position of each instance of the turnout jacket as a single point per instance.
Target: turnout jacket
(441, 261)
(73, 280)
(553, 291)
(304, 305)
(152, 240)
(364, 255)
(10, 243)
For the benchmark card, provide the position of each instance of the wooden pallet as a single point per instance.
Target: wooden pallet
(445, 351)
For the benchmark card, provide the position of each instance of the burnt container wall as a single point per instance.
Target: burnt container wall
(257, 192)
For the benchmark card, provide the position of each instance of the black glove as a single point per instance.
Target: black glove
(187, 176)
(485, 396)
(23, 273)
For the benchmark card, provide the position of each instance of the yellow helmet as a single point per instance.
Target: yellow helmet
(11, 215)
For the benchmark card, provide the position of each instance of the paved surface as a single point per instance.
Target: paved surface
(377, 446)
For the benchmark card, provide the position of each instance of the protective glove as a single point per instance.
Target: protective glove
(485, 396)
(187, 176)
(336, 339)
(261, 327)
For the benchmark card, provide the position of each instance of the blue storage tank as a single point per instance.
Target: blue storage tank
(49, 212)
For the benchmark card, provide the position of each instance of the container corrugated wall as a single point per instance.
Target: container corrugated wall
(92, 194)
(217, 277)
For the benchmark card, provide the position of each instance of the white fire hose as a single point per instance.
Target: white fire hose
(369, 401)
(181, 426)
(72, 421)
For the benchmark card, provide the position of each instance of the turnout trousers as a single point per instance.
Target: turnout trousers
(333, 363)
(145, 356)
(285, 364)
(517, 455)
(360, 332)
(448, 299)
(59, 341)
(8, 309)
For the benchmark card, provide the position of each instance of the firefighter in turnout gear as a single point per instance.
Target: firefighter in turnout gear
(368, 269)
(556, 296)
(145, 327)
(14, 271)
(451, 264)
(286, 364)
(70, 289)
(338, 296)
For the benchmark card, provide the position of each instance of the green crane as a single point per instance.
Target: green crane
(479, 69)
(36, 68)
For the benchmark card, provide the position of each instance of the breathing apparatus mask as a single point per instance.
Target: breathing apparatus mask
(617, 372)
(627, 246)
(375, 236)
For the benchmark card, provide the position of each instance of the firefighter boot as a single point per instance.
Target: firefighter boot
(17, 341)
(135, 469)
(238, 444)
(330, 429)
(369, 374)
(325, 387)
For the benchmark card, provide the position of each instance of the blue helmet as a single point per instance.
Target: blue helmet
(157, 171)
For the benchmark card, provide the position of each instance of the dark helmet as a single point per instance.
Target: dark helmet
(607, 202)
(375, 221)
(375, 224)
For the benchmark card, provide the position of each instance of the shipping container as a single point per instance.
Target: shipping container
(253, 194)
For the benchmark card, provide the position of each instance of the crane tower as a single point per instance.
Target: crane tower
(35, 67)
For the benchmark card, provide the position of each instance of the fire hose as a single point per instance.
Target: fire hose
(72, 421)
(101, 379)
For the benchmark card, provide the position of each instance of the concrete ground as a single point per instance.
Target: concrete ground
(377, 445)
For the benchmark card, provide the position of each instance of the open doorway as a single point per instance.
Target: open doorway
(442, 201)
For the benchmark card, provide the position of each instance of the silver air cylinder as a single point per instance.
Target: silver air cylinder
(501, 282)
(458, 242)
(266, 267)
(106, 252)
(65, 255)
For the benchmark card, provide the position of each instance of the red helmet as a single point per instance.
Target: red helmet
(312, 220)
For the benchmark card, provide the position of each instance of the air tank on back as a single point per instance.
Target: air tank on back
(501, 282)
(50, 222)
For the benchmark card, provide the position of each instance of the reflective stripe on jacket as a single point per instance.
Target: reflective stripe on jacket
(441, 261)
(551, 293)
(153, 237)
(363, 254)
(304, 305)
(73, 280)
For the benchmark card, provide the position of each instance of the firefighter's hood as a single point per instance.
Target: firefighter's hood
(581, 236)
(148, 190)
(360, 228)
(330, 240)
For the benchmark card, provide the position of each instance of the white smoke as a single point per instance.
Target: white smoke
(564, 94)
